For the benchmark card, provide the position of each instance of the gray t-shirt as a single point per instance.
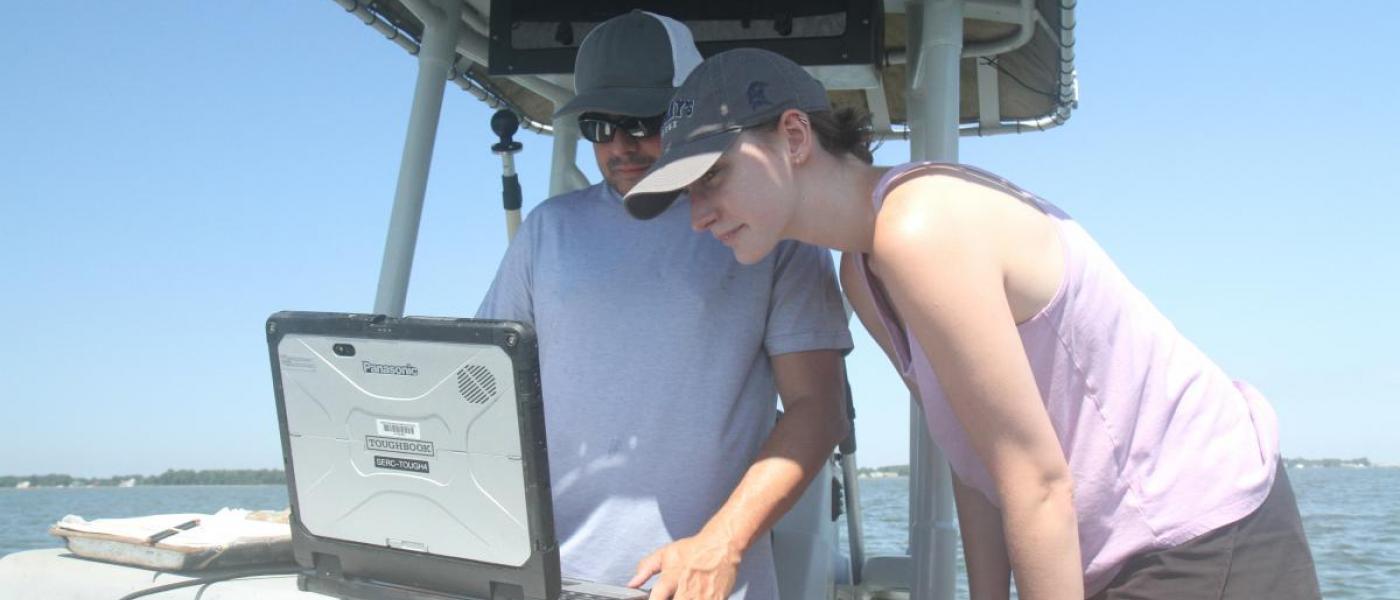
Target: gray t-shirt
(658, 391)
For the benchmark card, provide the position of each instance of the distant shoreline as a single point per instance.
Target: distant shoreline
(1292, 463)
(277, 477)
(170, 477)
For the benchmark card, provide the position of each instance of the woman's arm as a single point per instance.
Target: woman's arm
(988, 569)
(941, 250)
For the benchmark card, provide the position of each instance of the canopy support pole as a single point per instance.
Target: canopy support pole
(936, 30)
(441, 22)
(564, 174)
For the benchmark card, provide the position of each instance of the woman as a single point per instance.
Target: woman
(1095, 450)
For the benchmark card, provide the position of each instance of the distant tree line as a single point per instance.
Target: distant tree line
(218, 477)
(903, 470)
(169, 477)
(899, 470)
(1327, 462)
(58, 480)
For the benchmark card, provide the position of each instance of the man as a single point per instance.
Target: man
(660, 355)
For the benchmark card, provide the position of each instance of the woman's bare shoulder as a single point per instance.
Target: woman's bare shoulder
(944, 201)
(943, 225)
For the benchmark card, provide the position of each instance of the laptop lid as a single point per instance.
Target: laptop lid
(415, 451)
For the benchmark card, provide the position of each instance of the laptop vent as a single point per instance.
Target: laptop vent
(476, 383)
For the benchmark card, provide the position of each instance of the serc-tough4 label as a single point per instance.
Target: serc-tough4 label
(401, 464)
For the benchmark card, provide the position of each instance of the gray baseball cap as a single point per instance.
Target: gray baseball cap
(630, 65)
(728, 92)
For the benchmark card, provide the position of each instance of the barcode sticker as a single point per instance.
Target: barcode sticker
(398, 429)
(294, 362)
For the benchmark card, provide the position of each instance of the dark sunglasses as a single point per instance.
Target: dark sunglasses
(599, 128)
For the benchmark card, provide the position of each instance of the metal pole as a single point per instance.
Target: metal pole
(441, 22)
(512, 183)
(563, 172)
(850, 477)
(933, 102)
(855, 529)
(504, 124)
(934, 85)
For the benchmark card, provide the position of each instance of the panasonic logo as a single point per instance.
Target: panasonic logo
(378, 369)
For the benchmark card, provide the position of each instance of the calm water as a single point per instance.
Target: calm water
(1352, 517)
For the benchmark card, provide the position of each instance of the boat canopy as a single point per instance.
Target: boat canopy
(1016, 72)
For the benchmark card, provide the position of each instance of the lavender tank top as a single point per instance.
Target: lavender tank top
(1162, 445)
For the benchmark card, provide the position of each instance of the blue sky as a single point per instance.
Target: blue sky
(172, 173)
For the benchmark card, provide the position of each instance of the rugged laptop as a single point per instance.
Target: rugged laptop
(416, 459)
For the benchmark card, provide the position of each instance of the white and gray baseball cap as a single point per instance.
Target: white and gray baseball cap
(631, 65)
(727, 93)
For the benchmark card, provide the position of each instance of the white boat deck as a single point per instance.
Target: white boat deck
(56, 574)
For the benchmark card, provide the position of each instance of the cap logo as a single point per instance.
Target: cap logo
(680, 108)
(758, 96)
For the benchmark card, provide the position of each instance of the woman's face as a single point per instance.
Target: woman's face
(747, 198)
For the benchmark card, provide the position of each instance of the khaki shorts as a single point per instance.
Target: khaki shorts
(1264, 555)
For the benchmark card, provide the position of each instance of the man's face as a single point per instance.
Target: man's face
(624, 159)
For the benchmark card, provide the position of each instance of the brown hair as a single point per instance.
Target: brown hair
(841, 131)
